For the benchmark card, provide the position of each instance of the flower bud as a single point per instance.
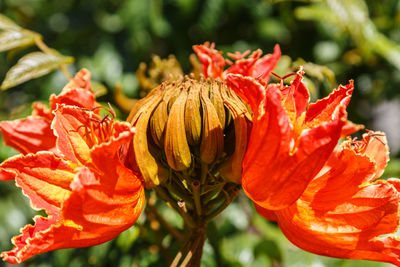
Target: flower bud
(212, 140)
(176, 147)
(193, 115)
(188, 125)
(150, 168)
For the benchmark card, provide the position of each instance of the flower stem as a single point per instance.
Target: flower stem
(164, 195)
(204, 173)
(65, 71)
(179, 192)
(196, 196)
(42, 46)
(151, 208)
(192, 250)
(229, 197)
(45, 49)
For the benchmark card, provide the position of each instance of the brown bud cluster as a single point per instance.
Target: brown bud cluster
(186, 125)
(159, 71)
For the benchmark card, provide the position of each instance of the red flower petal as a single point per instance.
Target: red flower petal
(378, 151)
(36, 239)
(81, 80)
(350, 128)
(43, 177)
(103, 206)
(84, 138)
(269, 143)
(342, 215)
(74, 97)
(249, 89)
(112, 167)
(42, 111)
(213, 62)
(84, 209)
(284, 153)
(324, 109)
(374, 145)
(268, 214)
(280, 182)
(76, 93)
(296, 96)
(75, 133)
(244, 66)
(28, 135)
(254, 66)
(265, 65)
(80, 131)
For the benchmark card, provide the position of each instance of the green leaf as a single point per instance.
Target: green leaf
(33, 65)
(270, 249)
(8, 24)
(10, 39)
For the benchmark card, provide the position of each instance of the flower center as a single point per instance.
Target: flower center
(98, 130)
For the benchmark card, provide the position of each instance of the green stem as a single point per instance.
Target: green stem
(204, 173)
(213, 187)
(211, 193)
(229, 197)
(45, 49)
(196, 196)
(179, 192)
(163, 194)
(42, 46)
(213, 202)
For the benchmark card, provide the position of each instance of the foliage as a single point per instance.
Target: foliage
(32, 65)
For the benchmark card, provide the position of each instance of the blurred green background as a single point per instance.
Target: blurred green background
(335, 40)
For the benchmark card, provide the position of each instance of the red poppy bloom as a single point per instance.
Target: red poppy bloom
(85, 189)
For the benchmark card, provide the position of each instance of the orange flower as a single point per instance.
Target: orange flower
(290, 140)
(344, 211)
(326, 201)
(85, 189)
